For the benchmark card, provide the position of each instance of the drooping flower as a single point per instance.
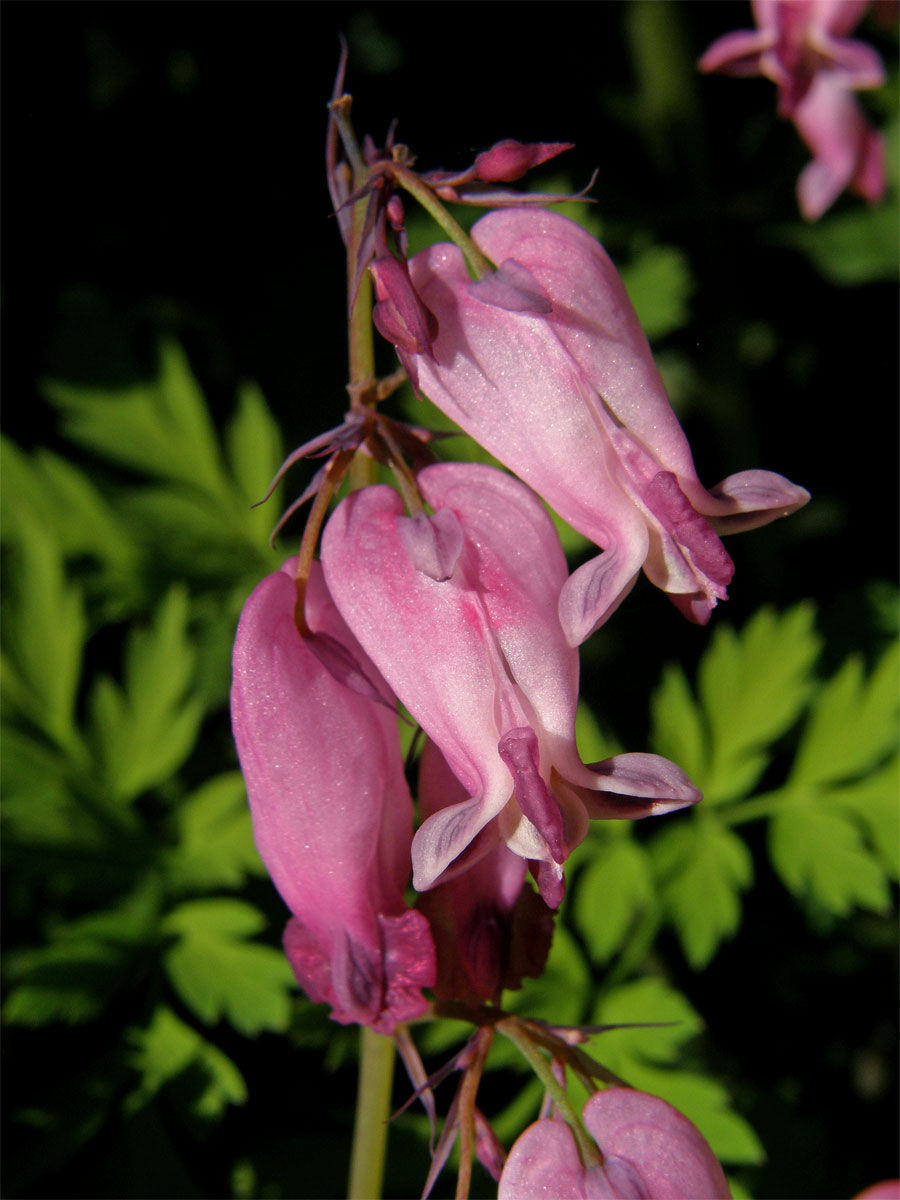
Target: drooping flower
(546, 365)
(490, 927)
(332, 814)
(459, 613)
(796, 41)
(847, 153)
(649, 1150)
(803, 47)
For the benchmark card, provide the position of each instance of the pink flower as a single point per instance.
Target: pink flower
(489, 926)
(846, 152)
(459, 613)
(888, 1189)
(546, 365)
(801, 45)
(332, 815)
(794, 43)
(649, 1150)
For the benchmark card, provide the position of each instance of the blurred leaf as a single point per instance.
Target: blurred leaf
(215, 837)
(161, 428)
(253, 443)
(143, 732)
(852, 723)
(852, 248)
(819, 853)
(679, 731)
(659, 284)
(76, 975)
(702, 868)
(752, 687)
(167, 1049)
(614, 887)
(594, 743)
(44, 634)
(219, 974)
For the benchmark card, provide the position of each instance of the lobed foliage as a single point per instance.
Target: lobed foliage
(127, 838)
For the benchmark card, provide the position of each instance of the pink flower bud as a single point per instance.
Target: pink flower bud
(463, 625)
(399, 314)
(562, 388)
(649, 1150)
(332, 814)
(509, 160)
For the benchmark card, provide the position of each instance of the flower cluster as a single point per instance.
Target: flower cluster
(452, 596)
(803, 47)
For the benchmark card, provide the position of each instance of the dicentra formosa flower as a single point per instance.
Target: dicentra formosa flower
(459, 613)
(546, 365)
(332, 814)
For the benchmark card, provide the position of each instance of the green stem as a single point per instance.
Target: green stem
(510, 1028)
(478, 263)
(373, 1100)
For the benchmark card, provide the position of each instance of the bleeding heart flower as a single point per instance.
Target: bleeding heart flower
(459, 613)
(648, 1151)
(332, 814)
(546, 365)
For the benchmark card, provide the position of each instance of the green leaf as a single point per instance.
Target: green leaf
(752, 687)
(44, 633)
(253, 443)
(853, 248)
(702, 868)
(614, 887)
(594, 743)
(872, 802)
(168, 1049)
(215, 837)
(162, 428)
(819, 853)
(217, 973)
(76, 976)
(679, 731)
(852, 725)
(645, 1058)
(659, 284)
(142, 733)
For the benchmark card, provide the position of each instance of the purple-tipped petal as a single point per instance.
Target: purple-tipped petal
(639, 785)
(433, 544)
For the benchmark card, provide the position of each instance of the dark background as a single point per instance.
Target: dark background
(164, 173)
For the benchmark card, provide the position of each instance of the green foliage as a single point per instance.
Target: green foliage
(113, 852)
(659, 284)
(218, 973)
(131, 840)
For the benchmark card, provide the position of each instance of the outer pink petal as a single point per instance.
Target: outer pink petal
(670, 1155)
(594, 321)
(331, 810)
(889, 1189)
(832, 124)
(737, 53)
(497, 613)
(544, 1163)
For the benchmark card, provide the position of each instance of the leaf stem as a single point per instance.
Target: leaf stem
(478, 263)
(587, 1147)
(373, 1101)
